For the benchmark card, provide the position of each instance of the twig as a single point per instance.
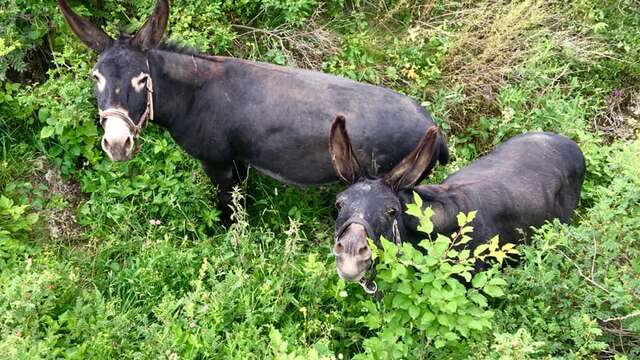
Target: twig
(554, 81)
(595, 253)
(620, 318)
(588, 279)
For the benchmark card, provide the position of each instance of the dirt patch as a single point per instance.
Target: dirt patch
(308, 47)
(61, 199)
(621, 119)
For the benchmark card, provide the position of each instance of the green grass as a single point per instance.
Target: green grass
(85, 273)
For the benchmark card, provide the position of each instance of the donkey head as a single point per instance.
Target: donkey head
(123, 83)
(370, 207)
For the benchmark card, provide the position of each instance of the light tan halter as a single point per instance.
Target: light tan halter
(124, 116)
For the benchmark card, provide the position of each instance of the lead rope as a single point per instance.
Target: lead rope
(368, 283)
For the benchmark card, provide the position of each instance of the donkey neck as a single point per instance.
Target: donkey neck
(178, 80)
(444, 202)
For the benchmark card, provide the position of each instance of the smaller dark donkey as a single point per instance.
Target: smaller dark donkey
(522, 183)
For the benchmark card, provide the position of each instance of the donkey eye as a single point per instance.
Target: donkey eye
(338, 205)
(392, 212)
(141, 81)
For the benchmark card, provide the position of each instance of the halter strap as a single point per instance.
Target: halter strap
(146, 115)
(369, 283)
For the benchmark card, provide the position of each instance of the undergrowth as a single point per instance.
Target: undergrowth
(106, 260)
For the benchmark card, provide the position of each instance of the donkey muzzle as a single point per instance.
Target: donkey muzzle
(118, 141)
(353, 255)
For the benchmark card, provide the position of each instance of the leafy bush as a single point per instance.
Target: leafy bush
(426, 308)
(24, 26)
(150, 273)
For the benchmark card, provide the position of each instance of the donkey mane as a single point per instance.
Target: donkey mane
(176, 47)
(168, 46)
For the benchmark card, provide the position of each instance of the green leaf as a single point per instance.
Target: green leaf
(401, 301)
(43, 114)
(46, 132)
(480, 249)
(444, 319)
(414, 210)
(479, 280)
(471, 216)
(478, 298)
(464, 255)
(414, 311)
(427, 318)
(451, 336)
(475, 324)
(497, 281)
(405, 287)
(493, 291)
(5, 202)
(440, 246)
(417, 199)
(451, 307)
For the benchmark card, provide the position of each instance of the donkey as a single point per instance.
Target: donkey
(229, 113)
(522, 183)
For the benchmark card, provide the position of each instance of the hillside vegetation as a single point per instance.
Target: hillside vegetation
(129, 260)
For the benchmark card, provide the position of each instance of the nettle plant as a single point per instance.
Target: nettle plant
(426, 306)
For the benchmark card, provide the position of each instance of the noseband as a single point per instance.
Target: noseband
(134, 128)
(368, 283)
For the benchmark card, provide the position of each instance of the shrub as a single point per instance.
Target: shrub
(425, 307)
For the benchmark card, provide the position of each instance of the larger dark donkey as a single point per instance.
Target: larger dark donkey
(522, 183)
(229, 113)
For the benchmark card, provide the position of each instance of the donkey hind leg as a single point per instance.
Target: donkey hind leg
(225, 178)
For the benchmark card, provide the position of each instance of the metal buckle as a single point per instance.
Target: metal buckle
(368, 285)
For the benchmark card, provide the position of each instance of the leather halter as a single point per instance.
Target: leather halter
(368, 283)
(134, 128)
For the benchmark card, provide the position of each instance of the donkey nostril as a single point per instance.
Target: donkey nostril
(105, 143)
(339, 249)
(363, 250)
(128, 144)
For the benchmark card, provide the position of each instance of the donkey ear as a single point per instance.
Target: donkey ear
(410, 169)
(150, 34)
(343, 157)
(90, 34)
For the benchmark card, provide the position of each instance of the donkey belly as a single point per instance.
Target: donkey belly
(298, 153)
(280, 124)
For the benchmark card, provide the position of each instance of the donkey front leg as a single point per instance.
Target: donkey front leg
(225, 178)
